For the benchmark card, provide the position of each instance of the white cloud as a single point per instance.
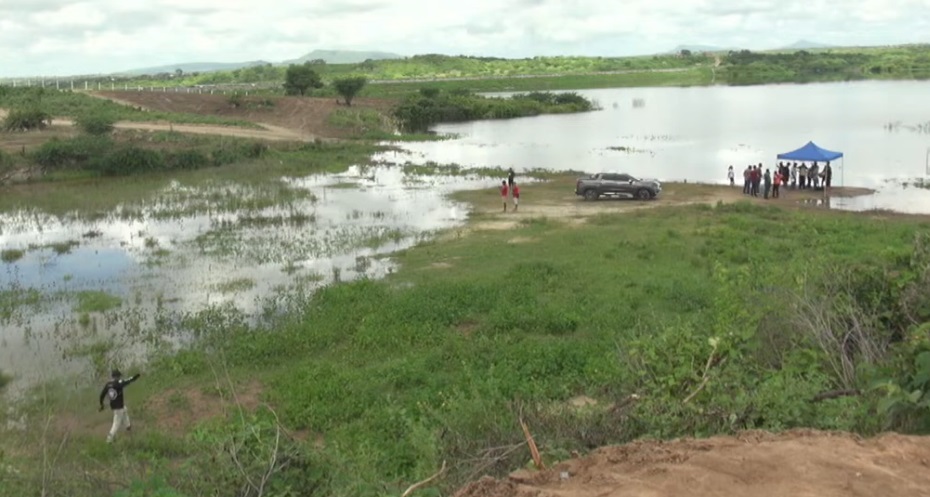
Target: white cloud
(65, 37)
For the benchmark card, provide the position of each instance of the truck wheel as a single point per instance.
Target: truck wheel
(643, 194)
(590, 194)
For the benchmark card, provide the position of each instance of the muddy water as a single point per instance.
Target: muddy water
(193, 248)
(693, 134)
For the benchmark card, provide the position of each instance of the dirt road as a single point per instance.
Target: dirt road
(793, 464)
(269, 132)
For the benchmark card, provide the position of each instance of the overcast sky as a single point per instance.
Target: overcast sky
(60, 37)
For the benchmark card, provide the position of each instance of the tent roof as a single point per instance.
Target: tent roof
(811, 152)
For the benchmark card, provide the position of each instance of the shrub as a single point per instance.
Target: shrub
(348, 88)
(26, 119)
(96, 124)
(129, 160)
(74, 153)
(188, 159)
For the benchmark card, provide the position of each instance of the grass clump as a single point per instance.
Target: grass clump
(26, 119)
(96, 301)
(235, 285)
(11, 255)
(96, 124)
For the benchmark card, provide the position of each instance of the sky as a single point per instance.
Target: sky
(66, 37)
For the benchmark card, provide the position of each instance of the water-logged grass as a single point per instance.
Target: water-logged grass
(88, 198)
(96, 301)
(11, 255)
(235, 285)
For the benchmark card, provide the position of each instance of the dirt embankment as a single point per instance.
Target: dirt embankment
(301, 115)
(793, 464)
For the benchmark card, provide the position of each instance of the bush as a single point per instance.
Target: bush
(188, 159)
(348, 88)
(420, 111)
(96, 124)
(26, 120)
(129, 160)
(76, 153)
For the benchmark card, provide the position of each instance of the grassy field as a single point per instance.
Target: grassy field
(76, 104)
(618, 323)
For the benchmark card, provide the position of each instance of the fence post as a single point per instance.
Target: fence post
(85, 84)
(57, 85)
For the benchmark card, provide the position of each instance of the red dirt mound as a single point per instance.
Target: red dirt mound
(791, 464)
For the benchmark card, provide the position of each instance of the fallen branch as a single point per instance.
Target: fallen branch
(534, 451)
(420, 484)
(833, 394)
(705, 377)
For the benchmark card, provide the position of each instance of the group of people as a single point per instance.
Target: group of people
(509, 188)
(788, 175)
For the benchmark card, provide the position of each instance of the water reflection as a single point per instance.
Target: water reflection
(693, 134)
(191, 248)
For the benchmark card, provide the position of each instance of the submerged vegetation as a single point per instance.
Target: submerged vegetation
(668, 321)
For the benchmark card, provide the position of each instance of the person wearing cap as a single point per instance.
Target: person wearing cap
(113, 390)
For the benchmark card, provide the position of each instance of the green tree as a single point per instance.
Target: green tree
(301, 78)
(348, 88)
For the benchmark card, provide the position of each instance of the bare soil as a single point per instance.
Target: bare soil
(557, 201)
(798, 463)
(303, 115)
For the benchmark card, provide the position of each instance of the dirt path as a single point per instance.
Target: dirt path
(569, 208)
(797, 463)
(275, 133)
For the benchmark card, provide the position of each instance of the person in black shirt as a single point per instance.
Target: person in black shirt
(510, 176)
(113, 390)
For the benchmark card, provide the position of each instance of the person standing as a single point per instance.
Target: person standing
(747, 180)
(802, 176)
(504, 191)
(756, 180)
(768, 184)
(827, 176)
(794, 176)
(510, 177)
(731, 176)
(515, 193)
(814, 176)
(113, 391)
(776, 184)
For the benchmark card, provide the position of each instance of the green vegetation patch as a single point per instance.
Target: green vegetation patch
(96, 301)
(709, 315)
(428, 107)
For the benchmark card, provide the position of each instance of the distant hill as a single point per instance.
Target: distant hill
(343, 56)
(806, 44)
(330, 56)
(701, 48)
(190, 67)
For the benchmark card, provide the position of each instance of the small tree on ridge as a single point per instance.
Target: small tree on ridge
(300, 79)
(348, 88)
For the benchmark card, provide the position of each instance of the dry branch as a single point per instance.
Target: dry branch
(833, 394)
(425, 482)
(534, 451)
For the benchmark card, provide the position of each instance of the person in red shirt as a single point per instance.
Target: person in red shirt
(504, 191)
(776, 183)
(516, 197)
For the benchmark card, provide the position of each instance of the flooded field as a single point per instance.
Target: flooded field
(90, 289)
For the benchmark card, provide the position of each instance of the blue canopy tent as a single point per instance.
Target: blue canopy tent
(811, 152)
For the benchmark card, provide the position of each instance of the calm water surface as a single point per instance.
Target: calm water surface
(693, 134)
